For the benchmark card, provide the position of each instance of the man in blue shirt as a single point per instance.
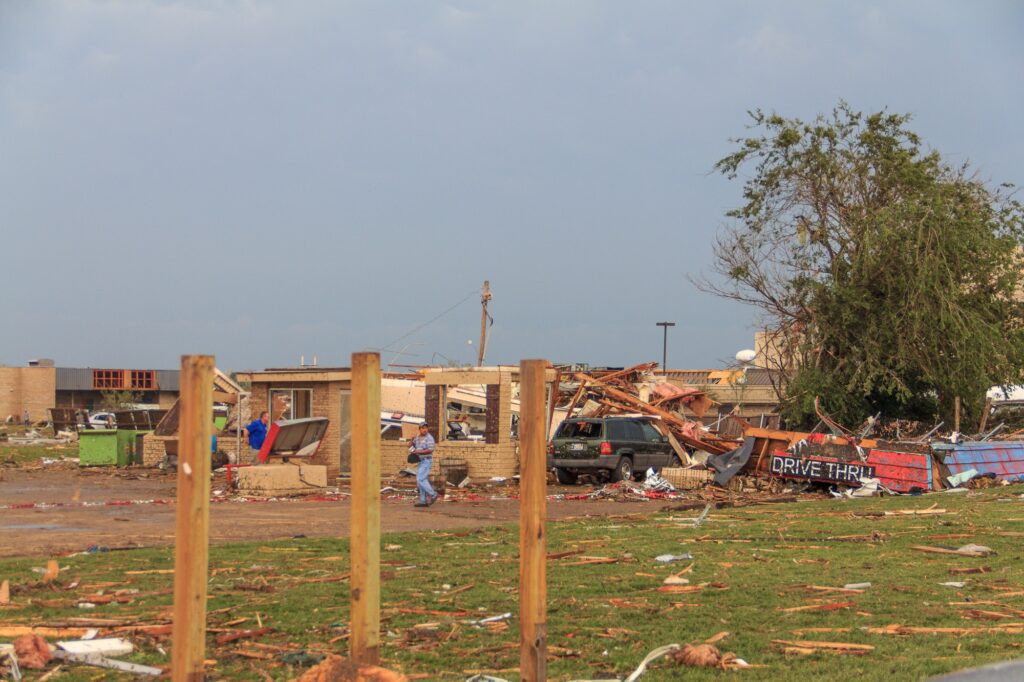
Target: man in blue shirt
(256, 432)
(423, 445)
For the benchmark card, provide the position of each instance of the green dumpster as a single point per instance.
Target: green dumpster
(98, 448)
(125, 446)
(139, 447)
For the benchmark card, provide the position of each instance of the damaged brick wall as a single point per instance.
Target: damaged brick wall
(483, 460)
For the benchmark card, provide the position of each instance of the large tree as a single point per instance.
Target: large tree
(888, 277)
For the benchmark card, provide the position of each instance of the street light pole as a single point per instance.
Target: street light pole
(664, 342)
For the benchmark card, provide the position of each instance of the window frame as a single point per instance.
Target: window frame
(291, 402)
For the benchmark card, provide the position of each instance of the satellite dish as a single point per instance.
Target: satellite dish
(746, 357)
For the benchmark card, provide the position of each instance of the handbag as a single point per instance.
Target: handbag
(413, 458)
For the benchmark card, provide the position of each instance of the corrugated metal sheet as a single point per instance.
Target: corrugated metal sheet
(902, 471)
(168, 379)
(74, 379)
(1004, 459)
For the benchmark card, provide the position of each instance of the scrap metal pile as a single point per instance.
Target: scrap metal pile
(837, 456)
(635, 390)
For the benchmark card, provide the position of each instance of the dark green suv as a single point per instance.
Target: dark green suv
(617, 446)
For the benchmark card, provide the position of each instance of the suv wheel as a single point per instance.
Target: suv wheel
(623, 470)
(565, 477)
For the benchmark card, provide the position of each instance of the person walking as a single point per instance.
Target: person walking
(423, 446)
(256, 432)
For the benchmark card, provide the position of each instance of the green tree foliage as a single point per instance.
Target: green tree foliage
(890, 276)
(113, 400)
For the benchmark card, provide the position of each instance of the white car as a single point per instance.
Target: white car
(102, 420)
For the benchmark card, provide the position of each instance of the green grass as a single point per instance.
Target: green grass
(757, 560)
(22, 455)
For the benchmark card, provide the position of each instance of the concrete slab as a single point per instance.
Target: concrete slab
(273, 480)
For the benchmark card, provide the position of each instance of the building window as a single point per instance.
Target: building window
(143, 379)
(290, 403)
(104, 379)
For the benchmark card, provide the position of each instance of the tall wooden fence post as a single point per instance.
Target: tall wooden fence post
(191, 532)
(365, 543)
(533, 591)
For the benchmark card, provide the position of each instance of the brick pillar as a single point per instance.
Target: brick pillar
(505, 408)
(434, 409)
(492, 429)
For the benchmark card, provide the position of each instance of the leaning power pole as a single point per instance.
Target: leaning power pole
(485, 296)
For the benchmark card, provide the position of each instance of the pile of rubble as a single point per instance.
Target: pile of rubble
(635, 390)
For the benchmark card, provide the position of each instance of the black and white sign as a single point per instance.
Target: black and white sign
(820, 469)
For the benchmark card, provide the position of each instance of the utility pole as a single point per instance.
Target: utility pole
(664, 342)
(485, 296)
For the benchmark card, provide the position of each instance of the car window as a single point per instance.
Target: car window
(587, 429)
(650, 433)
(633, 431)
(615, 431)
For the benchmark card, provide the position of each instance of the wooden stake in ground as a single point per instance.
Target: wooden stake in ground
(533, 591)
(956, 414)
(365, 626)
(191, 533)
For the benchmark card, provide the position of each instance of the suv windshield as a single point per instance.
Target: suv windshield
(586, 429)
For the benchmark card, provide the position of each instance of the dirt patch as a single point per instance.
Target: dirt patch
(93, 517)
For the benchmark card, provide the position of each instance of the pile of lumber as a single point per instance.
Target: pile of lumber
(618, 393)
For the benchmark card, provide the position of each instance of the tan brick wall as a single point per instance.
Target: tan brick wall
(483, 460)
(153, 449)
(31, 388)
(326, 403)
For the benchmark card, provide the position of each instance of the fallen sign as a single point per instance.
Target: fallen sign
(847, 465)
(849, 473)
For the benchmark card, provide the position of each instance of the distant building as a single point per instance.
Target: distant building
(40, 386)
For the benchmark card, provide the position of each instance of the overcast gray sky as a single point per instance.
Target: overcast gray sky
(261, 180)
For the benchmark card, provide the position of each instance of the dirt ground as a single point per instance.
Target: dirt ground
(60, 530)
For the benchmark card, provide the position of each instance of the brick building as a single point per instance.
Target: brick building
(326, 392)
(497, 454)
(83, 387)
(27, 388)
(40, 386)
(302, 392)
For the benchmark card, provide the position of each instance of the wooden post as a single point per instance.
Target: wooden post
(533, 591)
(984, 415)
(365, 547)
(485, 296)
(191, 536)
(956, 414)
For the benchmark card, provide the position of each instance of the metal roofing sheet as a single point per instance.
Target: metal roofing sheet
(1004, 459)
(74, 379)
(168, 379)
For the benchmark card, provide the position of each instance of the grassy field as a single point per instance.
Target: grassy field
(751, 576)
(22, 455)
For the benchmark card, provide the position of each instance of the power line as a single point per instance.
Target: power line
(431, 320)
